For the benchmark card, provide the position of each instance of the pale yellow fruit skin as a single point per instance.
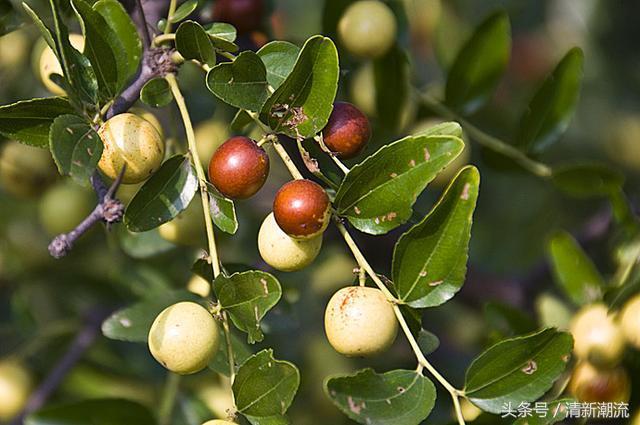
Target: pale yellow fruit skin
(149, 116)
(636, 418)
(15, 387)
(367, 29)
(552, 312)
(209, 136)
(281, 251)
(199, 286)
(63, 207)
(630, 321)
(590, 384)
(469, 411)
(131, 140)
(359, 321)
(597, 338)
(184, 337)
(217, 398)
(188, 226)
(25, 171)
(14, 47)
(49, 64)
(219, 422)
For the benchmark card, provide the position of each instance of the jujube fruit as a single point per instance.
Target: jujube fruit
(25, 171)
(302, 208)
(281, 251)
(64, 206)
(149, 116)
(199, 286)
(591, 385)
(630, 321)
(359, 321)
(219, 422)
(15, 388)
(134, 141)
(49, 64)
(367, 29)
(347, 131)
(597, 338)
(239, 168)
(187, 228)
(245, 15)
(184, 337)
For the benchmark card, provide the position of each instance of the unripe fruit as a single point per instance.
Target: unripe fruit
(367, 29)
(245, 15)
(131, 140)
(630, 321)
(63, 207)
(302, 209)
(209, 136)
(199, 286)
(359, 321)
(14, 47)
(219, 422)
(25, 171)
(281, 251)
(15, 387)
(49, 64)
(239, 168)
(149, 116)
(347, 131)
(217, 397)
(597, 338)
(187, 228)
(592, 385)
(184, 337)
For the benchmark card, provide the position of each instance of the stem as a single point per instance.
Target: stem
(537, 168)
(172, 10)
(146, 36)
(333, 156)
(227, 336)
(169, 394)
(163, 38)
(287, 160)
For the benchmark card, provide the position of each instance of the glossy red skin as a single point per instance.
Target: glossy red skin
(239, 168)
(245, 15)
(347, 131)
(301, 208)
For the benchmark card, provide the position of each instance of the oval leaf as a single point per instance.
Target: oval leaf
(222, 30)
(398, 397)
(279, 57)
(377, 195)
(163, 196)
(247, 297)
(110, 412)
(241, 83)
(430, 260)
(391, 75)
(574, 272)
(517, 370)
(552, 107)
(479, 65)
(264, 387)
(301, 106)
(75, 146)
(156, 93)
(28, 121)
(193, 42)
(184, 10)
(223, 211)
(587, 180)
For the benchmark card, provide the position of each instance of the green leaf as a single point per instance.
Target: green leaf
(163, 196)
(247, 297)
(75, 146)
(118, 19)
(479, 65)
(193, 42)
(517, 370)
(28, 121)
(427, 341)
(156, 93)
(223, 211)
(553, 105)
(586, 180)
(398, 397)
(507, 320)
(241, 352)
(110, 412)
(133, 323)
(574, 272)
(430, 259)
(391, 76)
(264, 387)
(184, 10)
(279, 57)
(44, 30)
(142, 244)
(554, 412)
(241, 83)
(377, 195)
(222, 30)
(301, 106)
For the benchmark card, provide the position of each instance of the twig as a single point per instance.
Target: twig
(144, 30)
(168, 401)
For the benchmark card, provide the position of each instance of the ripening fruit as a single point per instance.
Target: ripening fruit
(49, 64)
(359, 321)
(184, 337)
(367, 29)
(302, 209)
(630, 321)
(597, 338)
(187, 228)
(219, 422)
(589, 384)
(239, 168)
(281, 251)
(15, 387)
(209, 136)
(64, 206)
(245, 15)
(149, 116)
(129, 139)
(25, 171)
(347, 131)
